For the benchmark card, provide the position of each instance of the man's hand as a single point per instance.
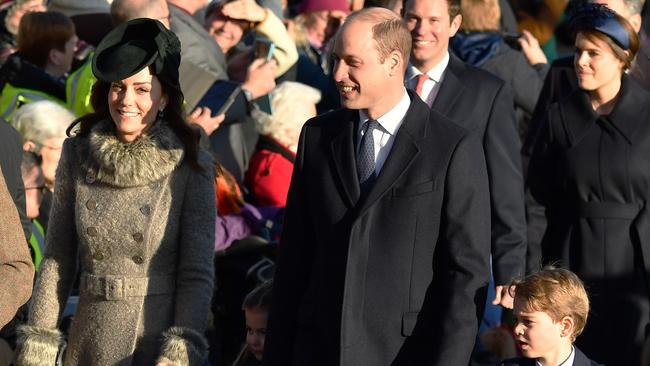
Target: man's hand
(260, 77)
(503, 297)
(202, 116)
(531, 49)
(245, 10)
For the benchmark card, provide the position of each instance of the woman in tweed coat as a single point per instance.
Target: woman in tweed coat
(133, 213)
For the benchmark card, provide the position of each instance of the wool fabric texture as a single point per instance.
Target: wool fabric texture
(140, 222)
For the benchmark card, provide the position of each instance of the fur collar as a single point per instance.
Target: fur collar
(149, 158)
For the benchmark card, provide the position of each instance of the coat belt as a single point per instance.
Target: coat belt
(611, 210)
(119, 287)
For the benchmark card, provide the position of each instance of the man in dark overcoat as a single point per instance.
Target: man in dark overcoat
(384, 256)
(484, 105)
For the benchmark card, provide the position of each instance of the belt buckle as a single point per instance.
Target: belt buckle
(113, 288)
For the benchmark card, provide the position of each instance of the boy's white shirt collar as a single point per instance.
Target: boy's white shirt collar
(568, 362)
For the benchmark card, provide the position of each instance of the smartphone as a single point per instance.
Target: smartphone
(264, 49)
(220, 97)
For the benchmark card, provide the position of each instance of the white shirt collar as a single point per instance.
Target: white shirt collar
(569, 360)
(434, 74)
(391, 120)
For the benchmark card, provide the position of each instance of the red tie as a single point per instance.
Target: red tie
(421, 79)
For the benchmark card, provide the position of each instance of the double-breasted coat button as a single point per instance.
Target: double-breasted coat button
(90, 177)
(146, 210)
(91, 204)
(91, 231)
(155, 185)
(137, 259)
(98, 255)
(138, 237)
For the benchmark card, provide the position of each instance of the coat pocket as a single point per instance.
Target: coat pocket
(409, 320)
(416, 189)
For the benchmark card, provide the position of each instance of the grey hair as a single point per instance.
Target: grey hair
(42, 120)
(287, 100)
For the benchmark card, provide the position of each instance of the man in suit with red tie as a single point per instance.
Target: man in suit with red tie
(483, 104)
(384, 256)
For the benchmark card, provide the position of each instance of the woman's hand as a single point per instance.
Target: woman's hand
(531, 49)
(244, 10)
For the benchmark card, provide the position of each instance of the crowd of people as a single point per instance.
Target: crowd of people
(324, 182)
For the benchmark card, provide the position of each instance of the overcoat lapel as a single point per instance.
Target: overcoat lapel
(451, 88)
(343, 158)
(403, 151)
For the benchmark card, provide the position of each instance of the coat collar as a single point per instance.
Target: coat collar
(578, 115)
(451, 88)
(403, 151)
(149, 158)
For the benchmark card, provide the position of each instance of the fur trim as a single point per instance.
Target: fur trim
(149, 158)
(183, 347)
(37, 346)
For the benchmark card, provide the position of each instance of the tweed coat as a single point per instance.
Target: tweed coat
(591, 174)
(16, 268)
(140, 223)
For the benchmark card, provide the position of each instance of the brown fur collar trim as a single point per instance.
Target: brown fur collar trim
(149, 158)
(183, 347)
(37, 346)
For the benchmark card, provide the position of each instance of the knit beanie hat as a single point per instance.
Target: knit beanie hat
(309, 6)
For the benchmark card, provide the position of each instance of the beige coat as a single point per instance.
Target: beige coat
(16, 268)
(140, 221)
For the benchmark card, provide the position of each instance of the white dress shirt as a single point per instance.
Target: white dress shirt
(384, 136)
(432, 84)
(568, 362)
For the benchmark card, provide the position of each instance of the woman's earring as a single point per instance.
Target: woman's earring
(161, 114)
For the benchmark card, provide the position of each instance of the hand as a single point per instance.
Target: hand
(245, 10)
(202, 116)
(260, 77)
(531, 49)
(503, 297)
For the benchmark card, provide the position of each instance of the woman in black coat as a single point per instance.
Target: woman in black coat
(591, 170)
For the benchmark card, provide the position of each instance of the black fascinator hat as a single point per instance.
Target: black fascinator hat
(134, 45)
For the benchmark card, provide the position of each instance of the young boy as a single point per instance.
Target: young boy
(551, 307)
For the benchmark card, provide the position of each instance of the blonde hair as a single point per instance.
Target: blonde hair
(41, 120)
(557, 292)
(289, 101)
(480, 15)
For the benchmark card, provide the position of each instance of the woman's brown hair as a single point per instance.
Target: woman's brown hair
(41, 32)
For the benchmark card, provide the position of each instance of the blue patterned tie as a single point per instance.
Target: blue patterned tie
(366, 158)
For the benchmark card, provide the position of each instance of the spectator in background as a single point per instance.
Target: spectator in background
(46, 46)
(42, 126)
(10, 17)
(393, 5)
(16, 268)
(269, 172)
(229, 21)
(33, 178)
(480, 43)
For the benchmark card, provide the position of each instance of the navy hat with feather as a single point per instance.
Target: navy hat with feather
(598, 17)
(134, 45)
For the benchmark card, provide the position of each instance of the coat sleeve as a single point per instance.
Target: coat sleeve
(292, 273)
(39, 341)
(286, 53)
(184, 344)
(446, 327)
(501, 145)
(16, 268)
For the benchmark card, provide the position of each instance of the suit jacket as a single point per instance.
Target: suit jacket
(484, 105)
(579, 360)
(396, 278)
